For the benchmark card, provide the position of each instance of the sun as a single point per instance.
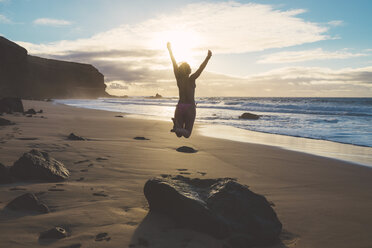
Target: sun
(184, 44)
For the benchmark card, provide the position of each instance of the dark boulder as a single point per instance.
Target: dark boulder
(5, 176)
(37, 165)
(54, 233)
(28, 202)
(220, 207)
(10, 105)
(30, 112)
(249, 116)
(72, 136)
(5, 122)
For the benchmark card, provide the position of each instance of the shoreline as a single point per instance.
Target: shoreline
(354, 154)
(357, 155)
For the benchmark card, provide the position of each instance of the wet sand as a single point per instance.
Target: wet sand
(321, 202)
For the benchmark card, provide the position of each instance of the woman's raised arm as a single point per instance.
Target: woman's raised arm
(175, 66)
(196, 74)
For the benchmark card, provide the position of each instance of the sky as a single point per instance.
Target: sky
(280, 48)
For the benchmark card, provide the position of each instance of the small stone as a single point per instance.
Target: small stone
(54, 233)
(10, 105)
(140, 138)
(72, 136)
(28, 202)
(5, 122)
(100, 194)
(31, 112)
(249, 116)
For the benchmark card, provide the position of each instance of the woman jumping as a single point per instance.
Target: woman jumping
(184, 115)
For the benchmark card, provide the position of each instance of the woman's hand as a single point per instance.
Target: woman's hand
(209, 54)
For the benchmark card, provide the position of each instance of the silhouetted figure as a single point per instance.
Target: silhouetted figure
(184, 115)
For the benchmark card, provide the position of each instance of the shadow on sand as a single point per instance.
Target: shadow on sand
(186, 149)
(158, 231)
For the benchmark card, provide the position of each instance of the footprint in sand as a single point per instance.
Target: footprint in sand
(17, 188)
(186, 149)
(101, 159)
(54, 189)
(31, 138)
(100, 194)
(102, 237)
(77, 245)
(202, 173)
(132, 223)
(185, 173)
(82, 161)
(84, 170)
(126, 208)
(80, 179)
(182, 169)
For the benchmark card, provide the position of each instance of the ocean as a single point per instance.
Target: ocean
(341, 120)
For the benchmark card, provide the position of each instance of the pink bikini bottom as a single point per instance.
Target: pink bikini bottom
(183, 107)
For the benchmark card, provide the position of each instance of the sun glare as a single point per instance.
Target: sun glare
(184, 44)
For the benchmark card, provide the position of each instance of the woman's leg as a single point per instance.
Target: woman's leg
(178, 122)
(189, 121)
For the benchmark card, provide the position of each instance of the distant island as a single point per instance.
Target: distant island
(31, 77)
(156, 96)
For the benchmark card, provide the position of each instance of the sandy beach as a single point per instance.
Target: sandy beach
(321, 202)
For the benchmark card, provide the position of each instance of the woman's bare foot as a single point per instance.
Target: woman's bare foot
(182, 131)
(174, 125)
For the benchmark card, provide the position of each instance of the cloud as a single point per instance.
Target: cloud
(51, 22)
(285, 82)
(134, 60)
(4, 19)
(227, 27)
(292, 82)
(336, 23)
(306, 55)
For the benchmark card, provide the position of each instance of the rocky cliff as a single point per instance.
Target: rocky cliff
(26, 76)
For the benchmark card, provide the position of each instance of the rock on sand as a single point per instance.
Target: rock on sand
(37, 165)
(220, 207)
(28, 202)
(5, 176)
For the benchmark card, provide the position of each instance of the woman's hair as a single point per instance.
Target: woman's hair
(184, 68)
